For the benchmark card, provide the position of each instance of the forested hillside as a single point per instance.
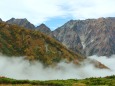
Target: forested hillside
(34, 45)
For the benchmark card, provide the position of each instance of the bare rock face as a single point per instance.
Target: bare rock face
(101, 37)
(91, 36)
(21, 22)
(44, 29)
(68, 36)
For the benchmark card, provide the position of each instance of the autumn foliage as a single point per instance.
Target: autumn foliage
(34, 45)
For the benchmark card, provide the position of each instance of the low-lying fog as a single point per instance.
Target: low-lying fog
(18, 68)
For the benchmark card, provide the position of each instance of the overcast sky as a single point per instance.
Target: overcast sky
(56, 12)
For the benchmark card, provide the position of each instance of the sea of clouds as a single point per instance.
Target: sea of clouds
(19, 68)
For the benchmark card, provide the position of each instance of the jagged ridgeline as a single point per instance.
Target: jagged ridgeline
(90, 36)
(18, 41)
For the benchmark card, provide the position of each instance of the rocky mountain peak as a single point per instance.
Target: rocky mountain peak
(43, 28)
(68, 36)
(21, 22)
(12, 19)
(94, 36)
(90, 36)
(0, 20)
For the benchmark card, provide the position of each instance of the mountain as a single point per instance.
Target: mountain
(0, 20)
(21, 22)
(68, 36)
(44, 29)
(34, 45)
(26, 24)
(90, 36)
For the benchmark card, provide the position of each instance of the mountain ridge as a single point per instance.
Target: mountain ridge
(34, 45)
(89, 37)
(21, 22)
(96, 35)
(18, 41)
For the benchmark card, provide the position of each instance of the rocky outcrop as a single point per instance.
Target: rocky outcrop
(26, 24)
(21, 22)
(91, 36)
(69, 37)
(0, 20)
(44, 29)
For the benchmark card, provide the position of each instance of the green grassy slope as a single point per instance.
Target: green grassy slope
(106, 81)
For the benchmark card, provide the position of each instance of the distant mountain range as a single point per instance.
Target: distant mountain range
(88, 37)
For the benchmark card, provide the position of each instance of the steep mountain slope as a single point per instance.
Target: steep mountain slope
(91, 36)
(21, 22)
(68, 36)
(17, 41)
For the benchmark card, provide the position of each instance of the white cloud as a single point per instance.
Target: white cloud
(34, 10)
(83, 9)
(19, 68)
(38, 11)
